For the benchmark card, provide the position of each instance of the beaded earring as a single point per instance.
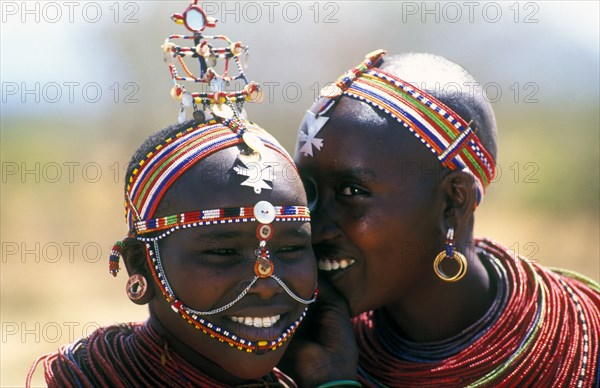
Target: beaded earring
(113, 259)
(450, 253)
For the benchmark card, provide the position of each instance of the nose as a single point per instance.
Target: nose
(266, 288)
(324, 222)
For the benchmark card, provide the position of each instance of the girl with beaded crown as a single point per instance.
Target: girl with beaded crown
(219, 244)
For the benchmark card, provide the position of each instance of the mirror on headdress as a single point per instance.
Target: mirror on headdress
(194, 18)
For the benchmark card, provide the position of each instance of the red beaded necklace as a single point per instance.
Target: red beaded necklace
(129, 355)
(546, 334)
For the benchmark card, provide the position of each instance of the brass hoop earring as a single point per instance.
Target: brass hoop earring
(449, 252)
(137, 289)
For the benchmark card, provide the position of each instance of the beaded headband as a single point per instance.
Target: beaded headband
(163, 166)
(439, 128)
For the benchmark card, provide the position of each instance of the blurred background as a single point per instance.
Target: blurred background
(83, 83)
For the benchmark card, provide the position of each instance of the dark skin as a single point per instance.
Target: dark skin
(381, 199)
(209, 266)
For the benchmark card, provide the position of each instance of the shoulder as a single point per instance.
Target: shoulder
(77, 364)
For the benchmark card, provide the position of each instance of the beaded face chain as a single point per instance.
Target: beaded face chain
(440, 129)
(265, 214)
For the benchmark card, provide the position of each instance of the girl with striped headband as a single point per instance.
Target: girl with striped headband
(219, 246)
(227, 274)
(395, 157)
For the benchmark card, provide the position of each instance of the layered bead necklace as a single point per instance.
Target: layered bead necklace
(543, 328)
(130, 355)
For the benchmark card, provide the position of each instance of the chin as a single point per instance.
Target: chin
(357, 303)
(254, 366)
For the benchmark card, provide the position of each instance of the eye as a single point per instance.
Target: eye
(221, 252)
(290, 253)
(352, 191)
(220, 256)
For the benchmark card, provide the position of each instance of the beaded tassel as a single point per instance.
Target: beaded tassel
(113, 259)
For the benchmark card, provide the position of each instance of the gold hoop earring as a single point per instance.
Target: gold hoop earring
(449, 252)
(137, 289)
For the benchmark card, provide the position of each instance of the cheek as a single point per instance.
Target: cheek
(200, 285)
(300, 274)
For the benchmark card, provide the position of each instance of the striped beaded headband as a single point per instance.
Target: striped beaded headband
(162, 167)
(438, 127)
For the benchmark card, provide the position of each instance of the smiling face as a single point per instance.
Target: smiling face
(209, 266)
(376, 206)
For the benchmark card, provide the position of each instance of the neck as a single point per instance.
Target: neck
(437, 310)
(195, 359)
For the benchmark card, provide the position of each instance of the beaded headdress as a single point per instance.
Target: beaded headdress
(228, 127)
(438, 127)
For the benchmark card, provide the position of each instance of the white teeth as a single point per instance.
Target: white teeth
(257, 321)
(327, 265)
(324, 265)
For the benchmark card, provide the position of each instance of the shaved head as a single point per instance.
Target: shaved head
(452, 85)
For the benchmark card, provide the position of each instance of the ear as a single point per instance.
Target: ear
(134, 257)
(140, 285)
(460, 192)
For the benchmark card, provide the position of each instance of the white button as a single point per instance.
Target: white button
(264, 212)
